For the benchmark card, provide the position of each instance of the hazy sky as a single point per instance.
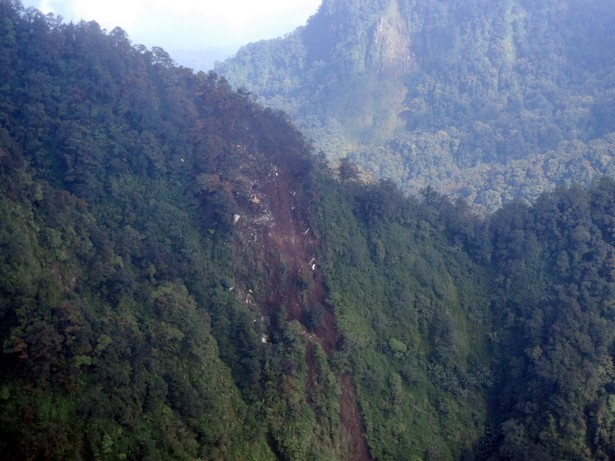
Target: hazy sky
(194, 32)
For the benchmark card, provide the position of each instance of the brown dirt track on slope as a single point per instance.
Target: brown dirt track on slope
(275, 221)
(351, 422)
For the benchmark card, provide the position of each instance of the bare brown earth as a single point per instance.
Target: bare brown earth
(351, 422)
(274, 220)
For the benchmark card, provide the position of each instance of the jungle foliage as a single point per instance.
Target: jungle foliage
(491, 101)
(125, 326)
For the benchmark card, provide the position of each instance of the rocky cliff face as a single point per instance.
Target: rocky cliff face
(390, 48)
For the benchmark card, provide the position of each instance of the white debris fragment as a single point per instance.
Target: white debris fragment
(264, 339)
(236, 218)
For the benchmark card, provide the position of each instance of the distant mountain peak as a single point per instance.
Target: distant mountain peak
(508, 82)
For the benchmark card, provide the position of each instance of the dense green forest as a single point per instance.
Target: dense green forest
(490, 101)
(182, 276)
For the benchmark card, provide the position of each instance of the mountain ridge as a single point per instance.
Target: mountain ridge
(507, 82)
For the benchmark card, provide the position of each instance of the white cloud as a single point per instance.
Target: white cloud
(188, 24)
(236, 20)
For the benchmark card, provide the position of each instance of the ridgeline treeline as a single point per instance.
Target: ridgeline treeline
(181, 278)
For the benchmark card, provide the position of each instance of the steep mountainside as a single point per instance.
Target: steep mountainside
(488, 100)
(182, 278)
(163, 292)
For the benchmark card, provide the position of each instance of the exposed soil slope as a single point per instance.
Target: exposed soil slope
(274, 221)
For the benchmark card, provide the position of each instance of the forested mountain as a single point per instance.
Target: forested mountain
(488, 100)
(182, 277)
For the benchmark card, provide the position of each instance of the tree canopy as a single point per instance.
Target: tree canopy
(182, 278)
(490, 101)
